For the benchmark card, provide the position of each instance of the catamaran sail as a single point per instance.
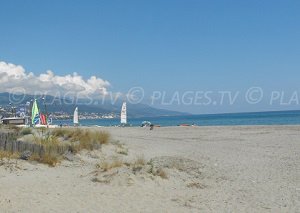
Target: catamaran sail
(75, 118)
(35, 116)
(43, 119)
(124, 114)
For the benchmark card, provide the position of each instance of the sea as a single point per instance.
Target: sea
(230, 119)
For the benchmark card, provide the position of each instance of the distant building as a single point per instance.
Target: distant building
(13, 121)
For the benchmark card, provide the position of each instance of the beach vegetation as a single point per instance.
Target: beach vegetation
(56, 142)
(120, 149)
(48, 158)
(157, 171)
(60, 132)
(108, 165)
(83, 139)
(49, 145)
(26, 131)
(140, 161)
(14, 128)
(9, 155)
(196, 185)
(161, 173)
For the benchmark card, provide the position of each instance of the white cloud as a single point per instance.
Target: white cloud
(14, 78)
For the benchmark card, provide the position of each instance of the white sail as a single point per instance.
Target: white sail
(75, 118)
(124, 114)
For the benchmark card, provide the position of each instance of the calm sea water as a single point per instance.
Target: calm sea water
(259, 118)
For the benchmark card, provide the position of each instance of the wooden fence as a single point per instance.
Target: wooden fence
(9, 142)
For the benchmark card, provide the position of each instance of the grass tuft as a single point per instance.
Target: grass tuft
(196, 185)
(140, 161)
(26, 131)
(14, 128)
(59, 132)
(83, 139)
(106, 166)
(50, 159)
(161, 173)
(9, 155)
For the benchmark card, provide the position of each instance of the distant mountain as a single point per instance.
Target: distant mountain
(67, 105)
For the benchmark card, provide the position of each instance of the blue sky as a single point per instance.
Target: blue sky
(167, 46)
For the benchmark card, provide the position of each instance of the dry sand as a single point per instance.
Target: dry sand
(209, 169)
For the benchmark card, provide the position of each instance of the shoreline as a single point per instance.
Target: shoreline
(260, 118)
(246, 125)
(196, 126)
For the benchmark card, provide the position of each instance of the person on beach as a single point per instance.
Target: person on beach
(151, 126)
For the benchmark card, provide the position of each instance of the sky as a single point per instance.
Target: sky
(177, 51)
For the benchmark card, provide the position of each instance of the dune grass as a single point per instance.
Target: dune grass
(9, 155)
(140, 161)
(108, 165)
(49, 150)
(26, 131)
(49, 159)
(120, 149)
(53, 143)
(106, 169)
(162, 173)
(9, 160)
(83, 139)
(196, 185)
(57, 141)
(14, 128)
(61, 132)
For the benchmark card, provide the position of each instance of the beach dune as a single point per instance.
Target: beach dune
(185, 169)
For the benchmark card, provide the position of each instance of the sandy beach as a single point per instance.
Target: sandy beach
(207, 169)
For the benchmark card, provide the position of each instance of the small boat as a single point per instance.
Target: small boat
(184, 125)
(39, 119)
(146, 124)
(43, 119)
